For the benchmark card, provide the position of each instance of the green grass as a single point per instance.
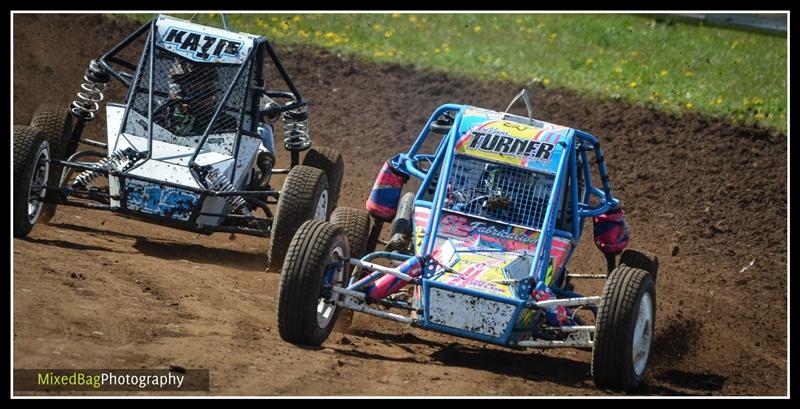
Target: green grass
(736, 75)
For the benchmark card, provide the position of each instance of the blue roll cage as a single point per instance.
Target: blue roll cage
(577, 142)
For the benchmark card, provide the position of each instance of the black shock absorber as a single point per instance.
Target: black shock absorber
(87, 104)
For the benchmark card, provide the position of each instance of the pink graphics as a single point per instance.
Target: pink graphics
(485, 255)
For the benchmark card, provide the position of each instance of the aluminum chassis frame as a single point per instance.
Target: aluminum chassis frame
(576, 336)
(60, 195)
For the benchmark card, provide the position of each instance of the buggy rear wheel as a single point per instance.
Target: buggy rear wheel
(625, 326)
(31, 177)
(307, 308)
(331, 162)
(304, 196)
(355, 224)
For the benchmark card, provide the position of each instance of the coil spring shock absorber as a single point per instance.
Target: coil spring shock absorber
(295, 129)
(218, 181)
(91, 93)
(116, 160)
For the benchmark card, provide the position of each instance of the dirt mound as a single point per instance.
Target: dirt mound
(96, 290)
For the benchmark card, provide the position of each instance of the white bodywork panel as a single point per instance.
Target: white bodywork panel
(201, 43)
(469, 313)
(169, 161)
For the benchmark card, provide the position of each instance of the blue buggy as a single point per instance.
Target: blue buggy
(480, 249)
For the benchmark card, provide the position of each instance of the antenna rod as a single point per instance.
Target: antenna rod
(225, 21)
(526, 98)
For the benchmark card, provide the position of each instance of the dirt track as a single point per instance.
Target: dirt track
(96, 290)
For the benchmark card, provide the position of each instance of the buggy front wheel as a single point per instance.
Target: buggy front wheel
(329, 161)
(314, 265)
(31, 177)
(624, 325)
(55, 123)
(305, 196)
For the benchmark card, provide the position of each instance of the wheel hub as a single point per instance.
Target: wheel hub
(642, 334)
(39, 180)
(321, 211)
(334, 275)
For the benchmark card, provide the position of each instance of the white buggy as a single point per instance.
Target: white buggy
(191, 147)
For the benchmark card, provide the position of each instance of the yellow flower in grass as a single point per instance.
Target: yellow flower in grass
(689, 105)
(718, 101)
(589, 61)
(546, 81)
(477, 29)
(632, 84)
(552, 36)
(296, 18)
(388, 34)
(412, 18)
(663, 73)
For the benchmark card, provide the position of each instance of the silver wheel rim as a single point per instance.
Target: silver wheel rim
(39, 178)
(321, 211)
(326, 308)
(643, 334)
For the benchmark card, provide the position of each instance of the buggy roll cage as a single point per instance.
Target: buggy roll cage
(111, 65)
(442, 161)
(256, 53)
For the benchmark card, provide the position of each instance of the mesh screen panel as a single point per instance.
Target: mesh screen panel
(186, 94)
(505, 193)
